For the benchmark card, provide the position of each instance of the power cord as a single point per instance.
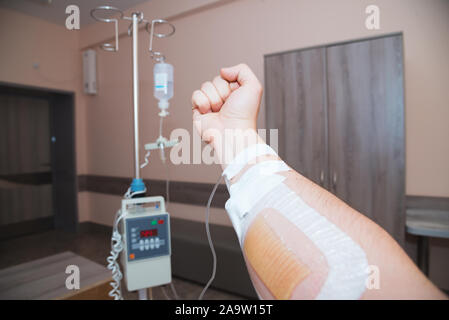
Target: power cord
(175, 294)
(116, 248)
(165, 293)
(143, 165)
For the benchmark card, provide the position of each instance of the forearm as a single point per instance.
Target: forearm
(299, 241)
(398, 276)
(288, 259)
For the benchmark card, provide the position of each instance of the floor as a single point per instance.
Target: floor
(93, 245)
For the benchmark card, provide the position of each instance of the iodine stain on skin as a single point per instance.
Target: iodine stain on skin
(288, 265)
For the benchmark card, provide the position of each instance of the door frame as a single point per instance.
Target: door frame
(63, 154)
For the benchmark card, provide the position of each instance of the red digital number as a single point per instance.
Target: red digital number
(148, 233)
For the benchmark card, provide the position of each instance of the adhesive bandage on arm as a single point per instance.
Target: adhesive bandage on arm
(247, 156)
(331, 266)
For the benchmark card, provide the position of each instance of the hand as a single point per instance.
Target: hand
(230, 101)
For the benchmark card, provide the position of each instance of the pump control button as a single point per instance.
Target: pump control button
(147, 244)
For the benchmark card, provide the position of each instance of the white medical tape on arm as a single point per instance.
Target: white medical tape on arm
(260, 188)
(254, 184)
(348, 265)
(244, 157)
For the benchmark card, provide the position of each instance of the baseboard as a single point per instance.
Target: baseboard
(93, 227)
(192, 258)
(26, 227)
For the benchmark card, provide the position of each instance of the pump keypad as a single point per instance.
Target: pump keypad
(147, 237)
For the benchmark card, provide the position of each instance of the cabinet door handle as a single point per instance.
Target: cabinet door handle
(322, 177)
(334, 181)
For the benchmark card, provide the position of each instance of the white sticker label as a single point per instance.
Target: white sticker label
(160, 82)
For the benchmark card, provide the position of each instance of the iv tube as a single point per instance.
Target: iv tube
(209, 239)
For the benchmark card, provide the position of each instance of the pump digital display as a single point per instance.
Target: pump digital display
(148, 233)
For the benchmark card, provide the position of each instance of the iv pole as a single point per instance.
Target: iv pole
(137, 185)
(136, 95)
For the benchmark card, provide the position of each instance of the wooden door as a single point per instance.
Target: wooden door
(295, 105)
(65, 189)
(38, 182)
(366, 129)
(25, 172)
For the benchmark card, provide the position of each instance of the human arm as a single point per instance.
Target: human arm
(299, 241)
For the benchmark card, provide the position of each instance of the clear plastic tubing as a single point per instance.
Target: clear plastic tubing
(163, 84)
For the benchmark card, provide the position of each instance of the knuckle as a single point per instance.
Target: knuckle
(222, 87)
(245, 69)
(205, 85)
(195, 97)
(217, 80)
(215, 102)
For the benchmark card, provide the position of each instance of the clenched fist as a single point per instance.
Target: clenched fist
(230, 101)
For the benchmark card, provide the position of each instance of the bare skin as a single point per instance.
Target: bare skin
(232, 101)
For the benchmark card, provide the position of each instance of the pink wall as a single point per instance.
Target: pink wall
(26, 40)
(211, 34)
(245, 30)
(201, 46)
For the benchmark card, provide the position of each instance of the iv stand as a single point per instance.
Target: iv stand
(136, 95)
(136, 18)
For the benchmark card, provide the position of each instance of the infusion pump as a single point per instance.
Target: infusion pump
(145, 229)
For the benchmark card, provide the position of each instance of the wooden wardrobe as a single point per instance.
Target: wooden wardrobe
(339, 110)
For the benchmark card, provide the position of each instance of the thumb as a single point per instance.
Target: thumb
(197, 121)
(234, 86)
(241, 74)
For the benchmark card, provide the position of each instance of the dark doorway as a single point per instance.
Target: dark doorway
(38, 186)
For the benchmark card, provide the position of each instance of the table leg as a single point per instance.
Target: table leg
(423, 254)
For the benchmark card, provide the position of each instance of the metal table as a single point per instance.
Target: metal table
(425, 224)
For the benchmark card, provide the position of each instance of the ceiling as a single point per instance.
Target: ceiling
(54, 10)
